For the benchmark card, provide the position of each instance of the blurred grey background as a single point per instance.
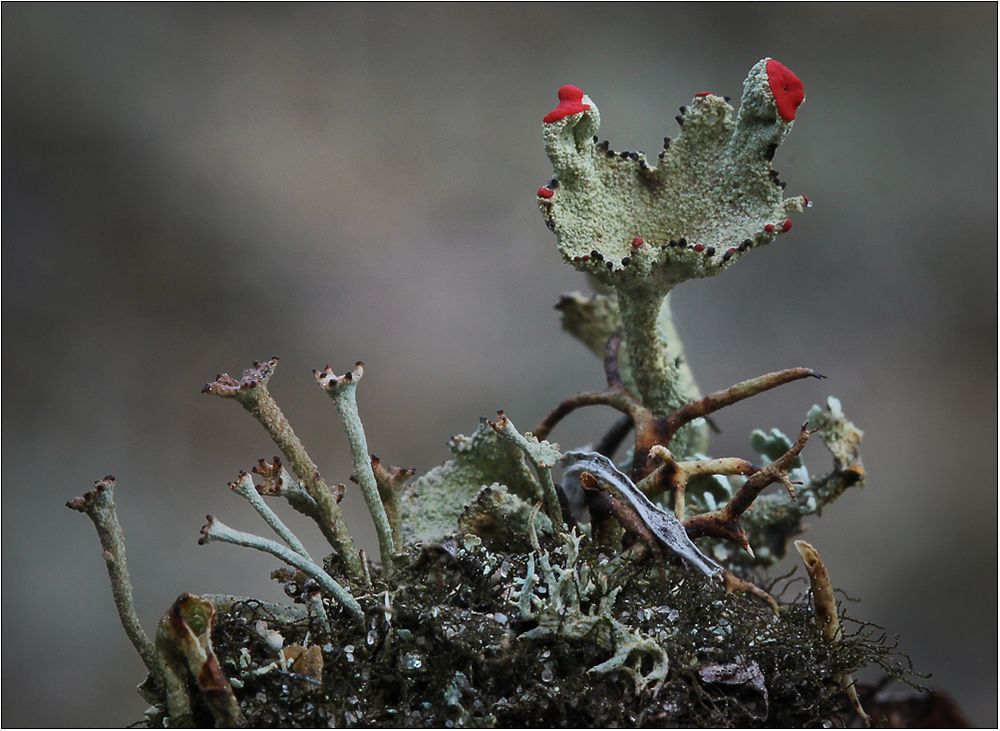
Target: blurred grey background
(189, 188)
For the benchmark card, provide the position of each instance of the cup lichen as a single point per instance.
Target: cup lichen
(508, 594)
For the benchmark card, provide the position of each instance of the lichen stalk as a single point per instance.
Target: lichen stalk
(543, 457)
(252, 394)
(99, 505)
(647, 357)
(281, 483)
(343, 391)
(391, 480)
(314, 602)
(216, 530)
(244, 487)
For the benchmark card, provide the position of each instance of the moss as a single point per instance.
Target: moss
(451, 653)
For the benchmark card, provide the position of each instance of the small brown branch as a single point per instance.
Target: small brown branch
(616, 398)
(776, 471)
(724, 523)
(674, 476)
(727, 397)
(734, 583)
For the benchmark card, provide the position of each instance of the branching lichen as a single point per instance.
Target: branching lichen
(617, 593)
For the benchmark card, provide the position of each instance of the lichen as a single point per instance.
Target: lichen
(629, 592)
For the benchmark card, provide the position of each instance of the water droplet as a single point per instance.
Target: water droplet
(500, 617)
(372, 636)
(413, 662)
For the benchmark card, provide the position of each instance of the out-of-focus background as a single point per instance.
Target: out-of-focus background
(187, 189)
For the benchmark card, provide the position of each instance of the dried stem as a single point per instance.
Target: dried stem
(99, 506)
(729, 396)
(724, 523)
(616, 398)
(674, 476)
(343, 391)
(252, 393)
(216, 530)
(734, 583)
(826, 615)
(244, 486)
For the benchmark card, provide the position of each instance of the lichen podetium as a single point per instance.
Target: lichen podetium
(523, 584)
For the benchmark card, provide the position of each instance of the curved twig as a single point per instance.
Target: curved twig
(724, 523)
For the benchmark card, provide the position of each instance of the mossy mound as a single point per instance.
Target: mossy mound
(449, 648)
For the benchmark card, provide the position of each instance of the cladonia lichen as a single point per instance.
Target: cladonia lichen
(521, 583)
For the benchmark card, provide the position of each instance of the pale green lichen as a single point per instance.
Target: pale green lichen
(216, 530)
(577, 604)
(432, 504)
(542, 455)
(479, 590)
(501, 520)
(643, 229)
(343, 391)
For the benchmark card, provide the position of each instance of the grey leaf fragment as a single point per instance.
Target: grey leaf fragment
(664, 525)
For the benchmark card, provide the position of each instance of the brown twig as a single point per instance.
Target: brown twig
(615, 396)
(674, 476)
(724, 523)
(711, 403)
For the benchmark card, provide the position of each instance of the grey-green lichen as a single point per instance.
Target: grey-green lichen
(521, 584)
(433, 503)
(644, 228)
(711, 186)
